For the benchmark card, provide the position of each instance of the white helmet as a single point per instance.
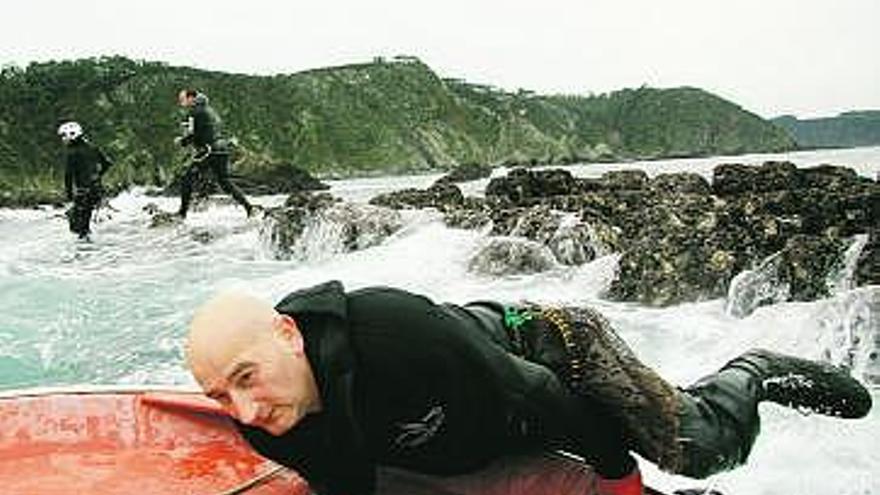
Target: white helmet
(70, 131)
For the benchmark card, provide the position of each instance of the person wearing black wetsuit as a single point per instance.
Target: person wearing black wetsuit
(203, 131)
(86, 165)
(336, 383)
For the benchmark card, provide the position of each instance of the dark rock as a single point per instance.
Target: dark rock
(733, 178)
(681, 183)
(779, 176)
(523, 187)
(675, 267)
(586, 185)
(569, 239)
(573, 244)
(511, 256)
(164, 219)
(280, 179)
(475, 213)
(288, 222)
(830, 177)
(806, 269)
(537, 223)
(771, 176)
(806, 263)
(465, 173)
(317, 226)
(309, 202)
(625, 180)
(679, 238)
(774, 176)
(443, 196)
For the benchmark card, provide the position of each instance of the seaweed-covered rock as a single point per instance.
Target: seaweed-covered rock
(315, 226)
(441, 195)
(466, 172)
(523, 187)
(680, 239)
(681, 183)
(511, 256)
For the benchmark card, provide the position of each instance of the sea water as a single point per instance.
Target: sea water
(114, 311)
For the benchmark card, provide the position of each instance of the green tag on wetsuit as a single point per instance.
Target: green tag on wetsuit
(514, 318)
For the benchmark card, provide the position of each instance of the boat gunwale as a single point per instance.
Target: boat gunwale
(88, 389)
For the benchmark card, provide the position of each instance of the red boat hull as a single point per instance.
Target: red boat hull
(117, 443)
(157, 443)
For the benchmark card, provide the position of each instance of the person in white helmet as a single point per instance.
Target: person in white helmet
(86, 165)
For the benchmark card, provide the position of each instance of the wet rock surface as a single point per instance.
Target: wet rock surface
(310, 225)
(466, 172)
(680, 237)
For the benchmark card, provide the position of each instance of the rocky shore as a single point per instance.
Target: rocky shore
(794, 234)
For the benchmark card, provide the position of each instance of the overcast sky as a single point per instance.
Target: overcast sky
(805, 57)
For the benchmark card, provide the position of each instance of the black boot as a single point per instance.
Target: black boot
(804, 384)
(719, 414)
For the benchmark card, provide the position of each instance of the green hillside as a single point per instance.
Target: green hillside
(382, 117)
(847, 130)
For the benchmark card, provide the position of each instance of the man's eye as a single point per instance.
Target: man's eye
(246, 378)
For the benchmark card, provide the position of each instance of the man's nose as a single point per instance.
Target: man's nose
(245, 410)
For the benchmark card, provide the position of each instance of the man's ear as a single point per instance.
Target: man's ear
(287, 329)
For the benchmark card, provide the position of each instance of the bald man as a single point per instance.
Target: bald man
(334, 383)
(251, 359)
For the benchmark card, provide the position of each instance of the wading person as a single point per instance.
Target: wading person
(203, 131)
(85, 166)
(334, 383)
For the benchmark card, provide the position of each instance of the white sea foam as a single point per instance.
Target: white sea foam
(114, 311)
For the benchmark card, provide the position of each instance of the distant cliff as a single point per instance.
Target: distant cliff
(847, 130)
(383, 117)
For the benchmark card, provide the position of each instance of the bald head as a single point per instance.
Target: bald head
(252, 360)
(223, 325)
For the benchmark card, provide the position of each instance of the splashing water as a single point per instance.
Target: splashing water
(750, 289)
(114, 311)
(844, 278)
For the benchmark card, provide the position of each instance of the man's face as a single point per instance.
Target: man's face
(184, 100)
(264, 381)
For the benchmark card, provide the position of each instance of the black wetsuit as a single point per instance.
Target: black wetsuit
(86, 164)
(445, 389)
(212, 153)
(433, 388)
